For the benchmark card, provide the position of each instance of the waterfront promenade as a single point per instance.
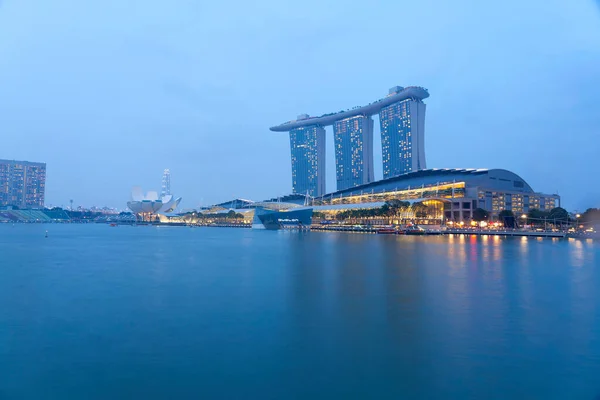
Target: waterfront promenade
(422, 230)
(440, 231)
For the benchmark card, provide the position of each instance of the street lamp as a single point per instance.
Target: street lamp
(524, 218)
(577, 222)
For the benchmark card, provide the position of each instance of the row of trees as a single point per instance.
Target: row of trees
(395, 208)
(555, 216)
(391, 209)
(229, 216)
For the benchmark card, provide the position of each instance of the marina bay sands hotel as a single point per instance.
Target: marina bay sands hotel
(402, 122)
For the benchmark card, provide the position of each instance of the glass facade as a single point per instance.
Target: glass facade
(402, 136)
(518, 203)
(307, 145)
(446, 190)
(22, 184)
(456, 195)
(353, 139)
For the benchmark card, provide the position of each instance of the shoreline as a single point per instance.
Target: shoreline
(350, 229)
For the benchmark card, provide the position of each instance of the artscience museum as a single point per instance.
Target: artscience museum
(149, 205)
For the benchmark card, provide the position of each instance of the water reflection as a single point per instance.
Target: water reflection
(524, 247)
(442, 299)
(576, 252)
(328, 315)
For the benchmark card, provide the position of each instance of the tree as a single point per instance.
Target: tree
(537, 217)
(558, 214)
(590, 215)
(385, 210)
(479, 214)
(396, 204)
(318, 215)
(507, 217)
(534, 213)
(420, 209)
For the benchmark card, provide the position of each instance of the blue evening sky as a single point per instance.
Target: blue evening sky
(109, 93)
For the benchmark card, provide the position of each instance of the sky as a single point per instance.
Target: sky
(109, 93)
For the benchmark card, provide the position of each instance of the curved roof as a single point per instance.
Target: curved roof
(235, 203)
(410, 92)
(145, 206)
(500, 179)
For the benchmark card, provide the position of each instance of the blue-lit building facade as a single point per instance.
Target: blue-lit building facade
(402, 120)
(402, 136)
(353, 139)
(307, 144)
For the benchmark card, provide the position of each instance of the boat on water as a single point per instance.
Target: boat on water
(415, 230)
(386, 231)
(113, 224)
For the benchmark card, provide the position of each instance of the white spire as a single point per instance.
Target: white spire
(166, 183)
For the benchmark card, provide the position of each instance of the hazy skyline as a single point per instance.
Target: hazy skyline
(110, 93)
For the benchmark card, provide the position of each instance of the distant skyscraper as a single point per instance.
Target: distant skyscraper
(402, 136)
(353, 138)
(307, 145)
(166, 183)
(22, 184)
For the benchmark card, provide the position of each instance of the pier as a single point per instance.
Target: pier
(506, 232)
(440, 231)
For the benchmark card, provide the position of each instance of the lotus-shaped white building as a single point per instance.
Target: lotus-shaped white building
(150, 203)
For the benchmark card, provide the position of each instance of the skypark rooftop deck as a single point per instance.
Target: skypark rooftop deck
(409, 92)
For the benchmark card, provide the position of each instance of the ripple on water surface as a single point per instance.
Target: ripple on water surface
(143, 312)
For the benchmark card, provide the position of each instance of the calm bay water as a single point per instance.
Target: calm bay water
(95, 312)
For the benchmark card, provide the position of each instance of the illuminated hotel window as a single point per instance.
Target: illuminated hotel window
(307, 146)
(354, 151)
(396, 138)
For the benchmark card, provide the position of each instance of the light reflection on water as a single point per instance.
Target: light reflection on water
(234, 313)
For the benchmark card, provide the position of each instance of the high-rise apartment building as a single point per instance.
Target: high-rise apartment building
(307, 144)
(353, 139)
(402, 136)
(22, 184)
